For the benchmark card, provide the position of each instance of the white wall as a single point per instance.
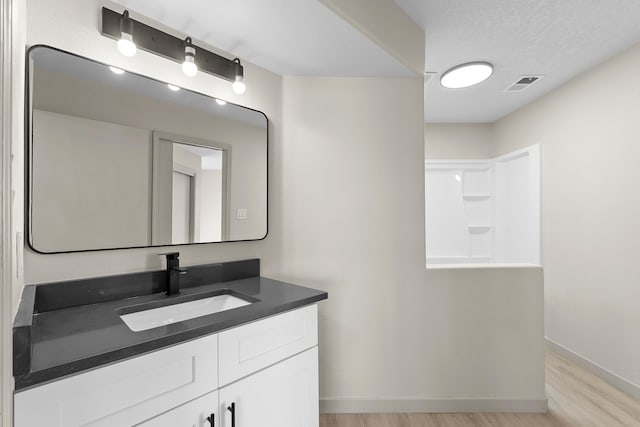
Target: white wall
(394, 336)
(589, 132)
(115, 164)
(346, 202)
(12, 36)
(457, 141)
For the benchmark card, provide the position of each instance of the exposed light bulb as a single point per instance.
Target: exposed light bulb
(116, 70)
(126, 46)
(173, 87)
(238, 85)
(189, 66)
(220, 102)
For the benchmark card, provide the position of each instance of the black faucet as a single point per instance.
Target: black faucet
(173, 273)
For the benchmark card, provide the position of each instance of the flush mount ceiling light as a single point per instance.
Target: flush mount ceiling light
(189, 66)
(121, 28)
(221, 102)
(173, 87)
(116, 70)
(466, 75)
(126, 46)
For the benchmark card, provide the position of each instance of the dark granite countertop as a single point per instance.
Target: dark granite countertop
(64, 341)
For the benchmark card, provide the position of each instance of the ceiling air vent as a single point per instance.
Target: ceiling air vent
(523, 83)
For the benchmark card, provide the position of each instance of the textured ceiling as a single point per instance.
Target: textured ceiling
(288, 37)
(557, 39)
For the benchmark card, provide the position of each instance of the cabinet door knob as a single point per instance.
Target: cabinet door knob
(232, 409)
(212, 419)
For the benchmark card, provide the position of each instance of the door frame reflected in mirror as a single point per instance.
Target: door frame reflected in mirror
(162, 200)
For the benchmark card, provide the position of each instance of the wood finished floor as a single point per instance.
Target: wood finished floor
(576, 398)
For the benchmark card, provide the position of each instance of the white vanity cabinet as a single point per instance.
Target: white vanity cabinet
(268, 369)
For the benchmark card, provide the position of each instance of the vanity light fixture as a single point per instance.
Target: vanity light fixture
(189, 66)
(221, 102)
(173, 87)
(466, 75)
(116, 70)
(126, 46)
(120, 26)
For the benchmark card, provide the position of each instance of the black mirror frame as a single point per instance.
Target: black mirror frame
(28, 136)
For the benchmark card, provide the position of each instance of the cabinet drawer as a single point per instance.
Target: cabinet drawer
(124, 393)
(249, 348)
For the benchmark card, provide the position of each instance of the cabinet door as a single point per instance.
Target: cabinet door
(283, 395)
(197, 413)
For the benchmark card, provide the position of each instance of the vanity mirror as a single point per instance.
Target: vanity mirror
(119, 160)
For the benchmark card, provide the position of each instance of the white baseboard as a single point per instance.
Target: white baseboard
(361, 406)
(597, 370)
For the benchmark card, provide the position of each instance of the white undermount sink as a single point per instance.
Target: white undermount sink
(152, 318)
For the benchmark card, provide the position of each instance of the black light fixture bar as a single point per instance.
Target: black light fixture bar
(163, 44)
